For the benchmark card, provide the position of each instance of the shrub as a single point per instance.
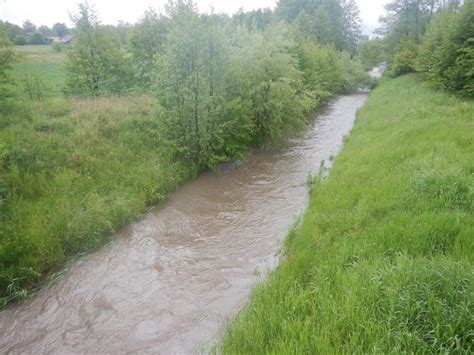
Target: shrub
(19, 40)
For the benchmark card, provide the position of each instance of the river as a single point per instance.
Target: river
(169, 282)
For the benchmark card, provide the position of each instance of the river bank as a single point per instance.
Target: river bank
(169, 282)
(383, 259)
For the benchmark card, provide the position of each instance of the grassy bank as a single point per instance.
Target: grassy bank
(72, 172)
(383, 259)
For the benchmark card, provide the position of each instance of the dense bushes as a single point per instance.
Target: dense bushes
(96, 62)
(224, 89)
(441, 46)
(447, 50)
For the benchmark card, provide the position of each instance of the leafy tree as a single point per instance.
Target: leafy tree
(447, 50)
(197, 118)
(20, 40)
(324, 18)
(37, 38)
(253, 20)
(405, 58)
(29, 27)
(351, 25)
(45, 31)
(60, 29)
(146, 39)
(95, 62)
(267, 77)
(11, 30)
(371, 53)
(123, 29)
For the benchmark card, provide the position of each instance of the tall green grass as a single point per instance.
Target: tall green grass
(383, 260)
(71, 173)
(42, 63)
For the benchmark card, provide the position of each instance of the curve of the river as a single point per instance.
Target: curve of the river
(168, 283)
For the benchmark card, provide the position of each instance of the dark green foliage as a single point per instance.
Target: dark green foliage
(222, 92)
(254, 20)
(146, 39)
(434, 37)
(60, 29)
(11, 30)
(447, 50)
(96, 63)
(326, 21)
(404, 59)
(37, 38)
(371, 53)
(20, 40)
(29, 27)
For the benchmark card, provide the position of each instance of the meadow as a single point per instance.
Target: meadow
(383, 259)
(43, 62)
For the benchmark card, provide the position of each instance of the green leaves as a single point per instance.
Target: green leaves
(96, 64)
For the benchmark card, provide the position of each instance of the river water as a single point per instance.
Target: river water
(169, 282)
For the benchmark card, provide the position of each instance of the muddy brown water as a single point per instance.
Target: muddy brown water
(168, 283)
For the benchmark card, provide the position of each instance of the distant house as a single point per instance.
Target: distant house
(52, 39)
(66, 39)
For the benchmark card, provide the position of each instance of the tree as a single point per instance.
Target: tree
(371, 53)
(45, 31)
(60, 29)
(327, 17)
(95, 61)
(447, 49)
(20, 40)
(11, 30)
(146, 39)
(352, 25)
(37, 38)
(29, 27)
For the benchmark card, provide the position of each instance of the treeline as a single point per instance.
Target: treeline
(29, 33)
(223, 83)
(433, 37)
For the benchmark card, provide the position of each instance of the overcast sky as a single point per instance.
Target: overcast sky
(48, 12)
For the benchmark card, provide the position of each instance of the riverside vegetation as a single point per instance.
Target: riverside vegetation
(93, 134)
(382, 260)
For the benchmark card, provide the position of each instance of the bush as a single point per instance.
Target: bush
(36, 38)
(447, 50)
(405, 59)
(57, 47)
(20, 40)
(33, 85)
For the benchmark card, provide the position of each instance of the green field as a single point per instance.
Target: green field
(383, 259)
(42, 61)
